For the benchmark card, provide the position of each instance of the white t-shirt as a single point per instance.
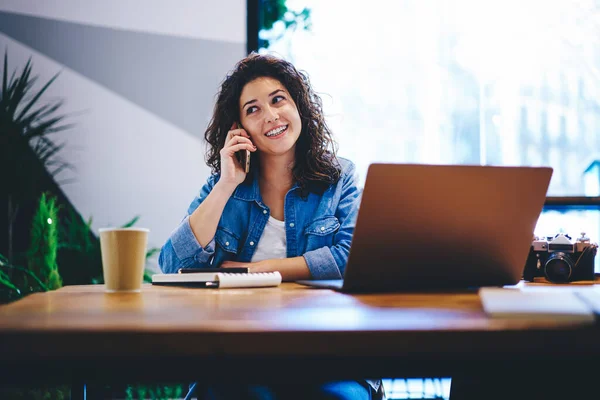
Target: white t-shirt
(272, 243)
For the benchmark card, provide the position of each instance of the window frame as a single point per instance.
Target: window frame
(570, 203)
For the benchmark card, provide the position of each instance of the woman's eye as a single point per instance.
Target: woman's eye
(277, 99)
(250, 110)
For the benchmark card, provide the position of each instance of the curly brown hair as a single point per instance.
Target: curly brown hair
(316, 161)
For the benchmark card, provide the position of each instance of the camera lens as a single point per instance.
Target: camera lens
(558, 268)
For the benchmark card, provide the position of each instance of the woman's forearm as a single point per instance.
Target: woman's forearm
(205, 219)
(291, 269)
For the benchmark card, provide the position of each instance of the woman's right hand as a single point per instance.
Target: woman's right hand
(231, 169)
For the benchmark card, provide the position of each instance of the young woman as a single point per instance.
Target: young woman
(293, 212)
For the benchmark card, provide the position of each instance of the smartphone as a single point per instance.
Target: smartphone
(244, 156)
(235, 270)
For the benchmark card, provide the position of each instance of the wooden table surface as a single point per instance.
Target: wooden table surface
(78, 329)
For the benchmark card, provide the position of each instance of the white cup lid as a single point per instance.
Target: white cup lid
(123, 229)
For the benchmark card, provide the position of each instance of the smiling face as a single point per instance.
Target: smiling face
(270, 116)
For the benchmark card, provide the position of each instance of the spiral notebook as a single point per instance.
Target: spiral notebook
(219, 279)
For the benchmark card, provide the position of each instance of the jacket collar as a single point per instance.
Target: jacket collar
(250, 191)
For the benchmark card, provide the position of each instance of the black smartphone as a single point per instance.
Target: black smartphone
(244, 156)
(235, 270)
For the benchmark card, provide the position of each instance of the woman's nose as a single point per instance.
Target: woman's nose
(272, 115)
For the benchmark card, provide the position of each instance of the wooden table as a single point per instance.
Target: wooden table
(80, 333)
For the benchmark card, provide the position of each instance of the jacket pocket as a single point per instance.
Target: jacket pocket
(319, 233)
(227, 240)
(322, 226)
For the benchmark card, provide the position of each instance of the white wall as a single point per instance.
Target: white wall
(128, 160)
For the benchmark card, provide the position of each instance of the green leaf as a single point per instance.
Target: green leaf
(21, 85)
(41, 113)
(148, 276)
(4, 77)
(152, 252)
(131, 223)
(37, 96)
(46, 150)
(43, 247)
(141, 391)
(178, 392)
(129, 393)
(25, 124)
(39, 130)
(60, 168)
(5, 280)
(6, 265)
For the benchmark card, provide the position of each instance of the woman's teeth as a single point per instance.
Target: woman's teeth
(277, 131)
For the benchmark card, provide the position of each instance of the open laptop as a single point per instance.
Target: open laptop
(422, 227)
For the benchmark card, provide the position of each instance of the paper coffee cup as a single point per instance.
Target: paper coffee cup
(123, 258)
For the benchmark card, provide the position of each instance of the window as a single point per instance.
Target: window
(460, 82)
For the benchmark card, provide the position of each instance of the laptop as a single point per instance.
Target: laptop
(432, 227)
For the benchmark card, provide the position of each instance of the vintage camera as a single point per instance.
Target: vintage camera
(560, 260)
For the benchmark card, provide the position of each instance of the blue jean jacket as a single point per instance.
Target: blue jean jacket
(318, 227)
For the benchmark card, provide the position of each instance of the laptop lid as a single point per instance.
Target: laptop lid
(436, 226)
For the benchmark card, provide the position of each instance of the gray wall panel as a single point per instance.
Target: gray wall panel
(175, 78)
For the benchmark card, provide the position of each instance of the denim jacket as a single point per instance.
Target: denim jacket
(318, 227)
